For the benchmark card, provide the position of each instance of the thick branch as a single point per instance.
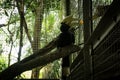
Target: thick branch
(45, 50)
(42, 60)
(19, 67)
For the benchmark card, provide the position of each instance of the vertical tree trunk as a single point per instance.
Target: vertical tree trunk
(87, 16)
(20, 6)
(36, 34)
(21, 12)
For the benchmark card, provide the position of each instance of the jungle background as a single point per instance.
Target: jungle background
(28, 25)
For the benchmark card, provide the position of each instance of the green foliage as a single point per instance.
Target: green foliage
(3, 63)
(30, 5)
(50, 26)
(55, 72)
(51, 5)
(7, 3)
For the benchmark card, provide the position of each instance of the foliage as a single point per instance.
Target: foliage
(56, 70)
(3, 63)
(51, 5)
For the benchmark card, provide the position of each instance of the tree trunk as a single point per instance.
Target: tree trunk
(36, 34)
(87, 16)
(21, 12)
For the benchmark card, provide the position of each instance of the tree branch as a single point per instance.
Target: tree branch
(45, 59)
(19, 67)
(21, 13)
(45, 50)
